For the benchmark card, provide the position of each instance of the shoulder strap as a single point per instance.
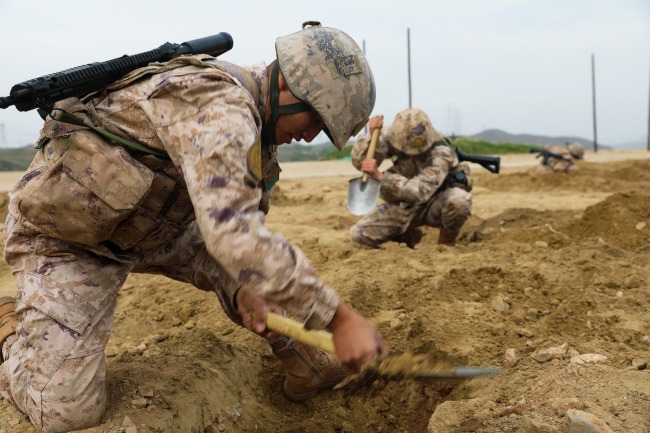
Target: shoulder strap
(67, 117)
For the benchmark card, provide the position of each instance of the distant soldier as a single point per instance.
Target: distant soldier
(560, 159)
(426, 185)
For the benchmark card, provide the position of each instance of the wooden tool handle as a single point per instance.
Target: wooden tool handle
(283, 325)
(371, 151)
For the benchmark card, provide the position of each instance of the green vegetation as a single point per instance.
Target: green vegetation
(335, 154)
(301, 152)
(479, 147)
(466, 145)
(18, 159)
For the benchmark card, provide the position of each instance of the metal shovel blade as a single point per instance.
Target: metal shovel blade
(409, 366)
(456, 373)
(362, 196)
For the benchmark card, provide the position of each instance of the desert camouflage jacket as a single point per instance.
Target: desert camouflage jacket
(207, 116)
(410, 179)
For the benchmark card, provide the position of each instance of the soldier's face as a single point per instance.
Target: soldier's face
(298, 126)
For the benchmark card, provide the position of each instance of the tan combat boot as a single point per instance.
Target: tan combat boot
(447, 237)
(8, 321)
(308, 370)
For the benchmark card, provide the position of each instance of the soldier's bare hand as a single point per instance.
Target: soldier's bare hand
(376, 122)
(370, 166)
(253, 311)
(356, 341)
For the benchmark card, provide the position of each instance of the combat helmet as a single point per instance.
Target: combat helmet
(328, 72)
(412, 133)
(576, 150)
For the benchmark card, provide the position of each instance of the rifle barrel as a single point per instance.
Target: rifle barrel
(44, 91)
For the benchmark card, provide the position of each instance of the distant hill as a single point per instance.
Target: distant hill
(498, 136)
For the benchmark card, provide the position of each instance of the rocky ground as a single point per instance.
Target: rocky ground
(550, 282)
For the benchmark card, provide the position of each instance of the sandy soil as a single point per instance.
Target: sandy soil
(556, 262)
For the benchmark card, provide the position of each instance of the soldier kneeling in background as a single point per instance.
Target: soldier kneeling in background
(560, 159)
(426, 185)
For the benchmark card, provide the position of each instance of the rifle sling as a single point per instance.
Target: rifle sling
(66, 117)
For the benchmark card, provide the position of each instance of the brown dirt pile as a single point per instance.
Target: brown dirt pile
(552, 267)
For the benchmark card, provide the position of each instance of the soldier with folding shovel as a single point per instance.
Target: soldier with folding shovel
(168, 170)
(426, 184)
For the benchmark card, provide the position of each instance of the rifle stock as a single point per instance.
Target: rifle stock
(490, 163)
(44, 91)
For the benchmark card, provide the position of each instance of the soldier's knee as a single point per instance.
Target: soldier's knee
(357, 235)
(457, 209)
(461, 201)
(74, 398)
(81, 412)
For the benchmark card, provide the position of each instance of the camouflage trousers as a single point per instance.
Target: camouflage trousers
(448, 209)
(54, 369)
(557, 167)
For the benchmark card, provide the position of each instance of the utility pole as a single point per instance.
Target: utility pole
(593, 92)
(363, 44)
(648, 118)
(408, 51)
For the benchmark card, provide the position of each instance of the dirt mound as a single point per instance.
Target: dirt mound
(616, 176)
(547, 270)
(620, 220)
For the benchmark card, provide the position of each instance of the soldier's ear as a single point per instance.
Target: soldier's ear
(282, 84)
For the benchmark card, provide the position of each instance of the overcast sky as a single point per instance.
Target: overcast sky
(522, 66)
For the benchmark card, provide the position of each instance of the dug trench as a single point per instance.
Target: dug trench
(552, 262)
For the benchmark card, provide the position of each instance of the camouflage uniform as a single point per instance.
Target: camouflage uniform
(570, 153)
(417, 190)
(88, 212)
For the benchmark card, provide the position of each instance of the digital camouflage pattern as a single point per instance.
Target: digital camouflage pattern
(412, 133)
(576, 150)
(417, 190)
(565, 165)
(325, 68)
(87, 212)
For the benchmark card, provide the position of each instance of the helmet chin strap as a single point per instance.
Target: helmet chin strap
(268, 129)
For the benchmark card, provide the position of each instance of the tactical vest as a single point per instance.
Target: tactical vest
(92, 191)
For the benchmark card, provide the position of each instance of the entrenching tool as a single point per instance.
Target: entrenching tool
(394, 366)
(363, 192)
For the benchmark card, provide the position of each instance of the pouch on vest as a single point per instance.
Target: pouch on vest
(86, 192)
